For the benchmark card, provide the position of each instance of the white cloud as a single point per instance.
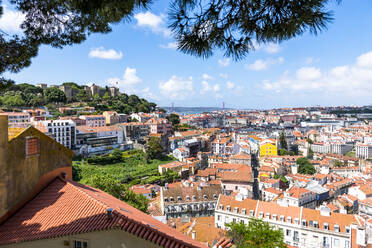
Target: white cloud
(205, 87)
(216, 87)
(170, 45)
(101, 53)
(153, 22)
(345, 81)
(308, 73)
(272, 48)
(260, 64)
(129, 81)
(224, 62)
(365, 60)
(177, 87)
(11, 20)
(207, 77)
(230, 85)
(223, 75)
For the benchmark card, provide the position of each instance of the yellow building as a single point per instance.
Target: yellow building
(268, 148)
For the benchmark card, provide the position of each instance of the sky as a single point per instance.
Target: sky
(140, 57)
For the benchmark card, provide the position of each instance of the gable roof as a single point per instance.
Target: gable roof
(82, 209)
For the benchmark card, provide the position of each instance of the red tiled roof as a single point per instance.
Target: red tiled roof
(82, 209)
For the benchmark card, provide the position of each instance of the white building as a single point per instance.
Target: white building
(298, 197)
(301, 227)
(181, 153)
(321, 148)
(363, 151)
(63, 131)
(341, 148)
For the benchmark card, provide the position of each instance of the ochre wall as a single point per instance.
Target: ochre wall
(104, 239)
(26, 175)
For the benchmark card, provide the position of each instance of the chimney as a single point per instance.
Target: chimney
(193, 235)
(109, 213)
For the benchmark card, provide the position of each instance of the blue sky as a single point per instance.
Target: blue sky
(333, 68)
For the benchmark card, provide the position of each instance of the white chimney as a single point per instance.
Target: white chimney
(193, 235)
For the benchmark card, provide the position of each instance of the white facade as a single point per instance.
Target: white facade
(297, 230)
(321, 148)
(63, 131)
(363, 151)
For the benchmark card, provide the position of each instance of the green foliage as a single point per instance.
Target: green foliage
(305, 167)
(174, 119)
(113, 187)
(54, 95)
(257, 234)
(76, 172)
(310, 141)
(282, 178)
(12, 100)
(82, 95)
(283, 152)
(154, 150)
(133, 169)
(310, 154)
(230, 26)
(202, 27)
(282, 141)
(338, 163)
(113, 158)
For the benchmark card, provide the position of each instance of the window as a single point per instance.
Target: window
(336, 242)
(218, 217)
(32, 146)
(337, 228)
(347, 244)
(80, 244)
(288, 232)
(326, 227)
(347, 229)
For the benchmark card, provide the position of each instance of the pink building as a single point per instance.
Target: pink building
(94, 120)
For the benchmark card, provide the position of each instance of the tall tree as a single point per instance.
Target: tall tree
(154, 148)
(305, 167)
(174, 119)
(54, 95)
(282, 141)
(257, 234)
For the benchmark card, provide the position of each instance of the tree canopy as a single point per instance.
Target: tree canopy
(154, 148)
(256, 234)
(200, 27)
(305, 167)
(120, 191)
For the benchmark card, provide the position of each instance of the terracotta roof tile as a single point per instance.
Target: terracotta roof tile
(82, 209)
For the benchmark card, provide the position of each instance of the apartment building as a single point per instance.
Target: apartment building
(94, 120)
(98, 139)
(17, 119)
(159, 126)
(321, 147)
(189, 199)
(301, 227)
(341, 148)
(63, 131)
(363, 151)
(298, 197)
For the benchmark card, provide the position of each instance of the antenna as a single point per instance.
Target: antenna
(223, 106)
